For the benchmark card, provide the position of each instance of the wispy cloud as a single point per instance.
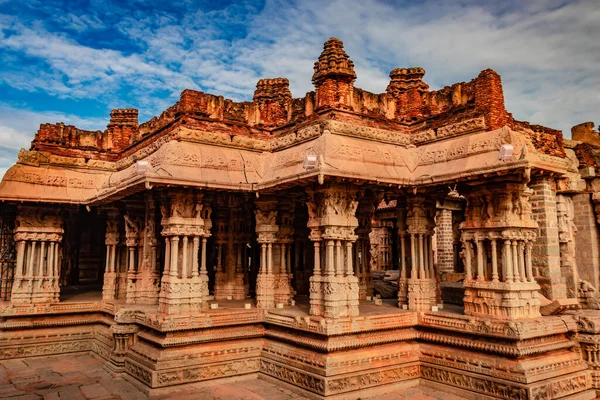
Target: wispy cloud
(126, 55)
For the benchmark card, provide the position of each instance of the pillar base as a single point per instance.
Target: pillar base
(340, 296)
(417, 294)
(234, 289)
(283, 289)
(265, 297)
(182, 295)
(109, 286)
(34, 290)
(316, 295)
(502, 300)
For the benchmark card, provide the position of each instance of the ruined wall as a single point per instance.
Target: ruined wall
(407, 106)
(546, 251)
(546, 140)
(585, 133)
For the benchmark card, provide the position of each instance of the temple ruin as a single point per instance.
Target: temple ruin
(226, 239)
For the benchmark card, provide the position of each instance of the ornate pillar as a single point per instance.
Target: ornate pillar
(111, 239)
(267, 233)
(124, 336)
(499, 215)
(147, 277)
(332, 210)
(38, 234)
(419, 290)
(133, 231)
(368, 250)
(185, 221)
(283, 287)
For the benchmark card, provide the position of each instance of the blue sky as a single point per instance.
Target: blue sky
(73, 61)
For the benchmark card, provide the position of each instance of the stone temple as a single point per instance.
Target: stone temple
(224, 240)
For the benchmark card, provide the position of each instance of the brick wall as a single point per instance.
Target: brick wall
(587, 252)
(445, 245)
(546, 250)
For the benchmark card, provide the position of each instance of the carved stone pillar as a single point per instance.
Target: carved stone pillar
(367, 250)
(109, 287)
(147, 277)
(38, 235)
(267, 232)
(332, 210)
(124, 336)
(498, 221)
(133, 240)
(186, 222)
(418, 289)
(283, 288)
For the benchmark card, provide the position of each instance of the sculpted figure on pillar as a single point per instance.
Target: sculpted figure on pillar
(38, 235)
(186, 225)
(499, 281)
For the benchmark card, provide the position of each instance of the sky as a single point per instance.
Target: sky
(73, 61)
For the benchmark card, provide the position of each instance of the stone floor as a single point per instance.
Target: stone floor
(75, 377)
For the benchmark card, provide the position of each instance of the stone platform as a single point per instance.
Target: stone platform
(385, 349)
(83, 377)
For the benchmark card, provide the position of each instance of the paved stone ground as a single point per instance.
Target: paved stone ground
(76, 377)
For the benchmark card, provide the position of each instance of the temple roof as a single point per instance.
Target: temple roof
(408, 135)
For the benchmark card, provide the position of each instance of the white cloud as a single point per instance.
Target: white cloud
(547, 51)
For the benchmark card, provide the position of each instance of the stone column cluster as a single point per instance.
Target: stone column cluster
(497, 237)
(186, 226)
(267, 232)
(148, 276)
(334, 290)
(283, 265)
(417, 282)
(508, 254)
(38, 237)
(131, 269)
(134, 244)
